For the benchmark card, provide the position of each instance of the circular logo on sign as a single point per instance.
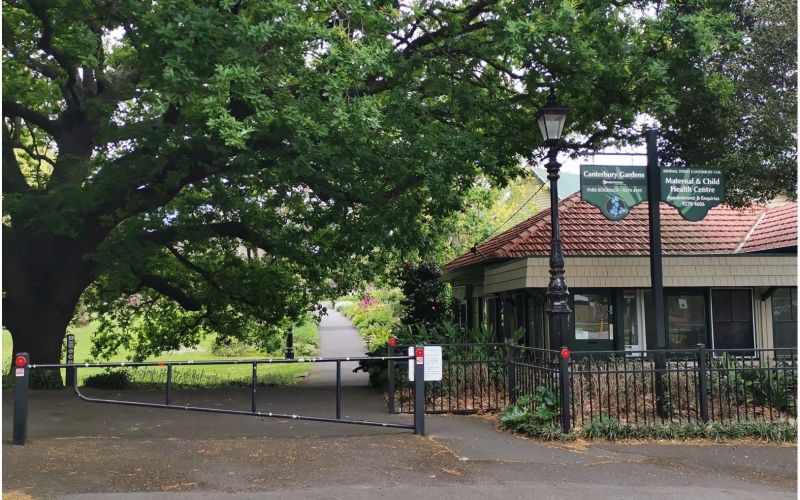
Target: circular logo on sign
(616, 207)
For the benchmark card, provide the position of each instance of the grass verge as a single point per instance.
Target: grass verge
(768, 432)
(184, 377)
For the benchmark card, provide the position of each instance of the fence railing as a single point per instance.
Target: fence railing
(23, 367)
(474, 379)
(630, 387)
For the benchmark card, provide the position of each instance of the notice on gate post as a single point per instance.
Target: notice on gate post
(433, 363)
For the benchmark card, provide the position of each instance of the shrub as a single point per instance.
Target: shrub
(45, 379)
(110, 379)
(521, 420)
(37, 379)
(343, 304)
(233, 349)
(156, 379)
(8, 376)
(306, 339)
(425, 297)
(533, 414)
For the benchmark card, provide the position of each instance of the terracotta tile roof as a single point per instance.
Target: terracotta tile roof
(584, 231)
(777, 229)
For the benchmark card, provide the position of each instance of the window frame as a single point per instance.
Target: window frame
(752, 314)
(701, 291)
(794, 320)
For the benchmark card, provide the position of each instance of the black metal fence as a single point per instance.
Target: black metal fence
(630, 387)
(474, 378)
(697, 385)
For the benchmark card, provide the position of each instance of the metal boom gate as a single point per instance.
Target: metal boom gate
(22, 368)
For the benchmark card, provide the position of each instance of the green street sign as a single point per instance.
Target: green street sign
(614, 190)
(692, 190)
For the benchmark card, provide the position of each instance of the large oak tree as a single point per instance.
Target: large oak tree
(193, 166)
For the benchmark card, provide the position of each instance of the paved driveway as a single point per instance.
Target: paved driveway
(79, 450)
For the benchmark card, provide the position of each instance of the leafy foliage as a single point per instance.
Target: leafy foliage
(155, 379)
(781, 432)
(520, 420)
(110, 379)
(531, 413)
(45, 379)
(189, 167)
(373, 319)
(424, 296)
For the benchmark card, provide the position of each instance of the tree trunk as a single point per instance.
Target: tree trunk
(43, 279)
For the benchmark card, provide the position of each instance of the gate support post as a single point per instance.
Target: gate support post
(419, 391)
(512, 373)
(21, 375)
(290, 344)
(391, 377)
(564, 386)
(701, 365)
(71, 360)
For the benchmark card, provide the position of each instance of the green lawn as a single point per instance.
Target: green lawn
(83, 344)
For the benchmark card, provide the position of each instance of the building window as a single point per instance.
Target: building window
(463, 319)
(687, 320)
(732, 316)
(784, 318)
(493, 315)
(591, 317)
(634, 324)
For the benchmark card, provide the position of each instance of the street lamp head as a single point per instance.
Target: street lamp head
(551, 118)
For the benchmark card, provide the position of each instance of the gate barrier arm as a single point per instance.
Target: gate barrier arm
(23, 367)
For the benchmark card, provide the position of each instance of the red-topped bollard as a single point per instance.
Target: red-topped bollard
(419, 391)
(392, 367)
(21, 375)
(563, 365)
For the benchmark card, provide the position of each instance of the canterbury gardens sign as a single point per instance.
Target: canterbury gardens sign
(616, 190)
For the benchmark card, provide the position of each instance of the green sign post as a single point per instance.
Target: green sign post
(614, 190)
(692, 190)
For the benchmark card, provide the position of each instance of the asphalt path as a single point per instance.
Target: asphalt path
(78, 450)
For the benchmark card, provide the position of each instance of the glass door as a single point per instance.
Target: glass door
(592, 322)
(535, 319)
(633, 321)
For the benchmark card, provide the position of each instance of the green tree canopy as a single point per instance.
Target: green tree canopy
(219, 165)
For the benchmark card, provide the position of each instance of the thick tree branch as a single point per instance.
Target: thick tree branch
(173, 234)
(207, 276)
(46, 45)
(444, 33)
(194, 267)
(12, 109)
(163, 287)
(13, 180)
(36, 65)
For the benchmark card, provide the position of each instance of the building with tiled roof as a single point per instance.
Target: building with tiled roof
(730, 279)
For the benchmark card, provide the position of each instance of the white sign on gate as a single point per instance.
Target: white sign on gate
(433, 363)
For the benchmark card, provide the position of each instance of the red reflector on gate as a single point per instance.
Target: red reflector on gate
(564, 353)
(20, 361)
(392, 341)
(161, 363)
(420, 353)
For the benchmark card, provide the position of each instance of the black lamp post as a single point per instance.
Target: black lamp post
(551, 118)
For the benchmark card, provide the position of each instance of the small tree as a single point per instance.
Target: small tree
(425, 297)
